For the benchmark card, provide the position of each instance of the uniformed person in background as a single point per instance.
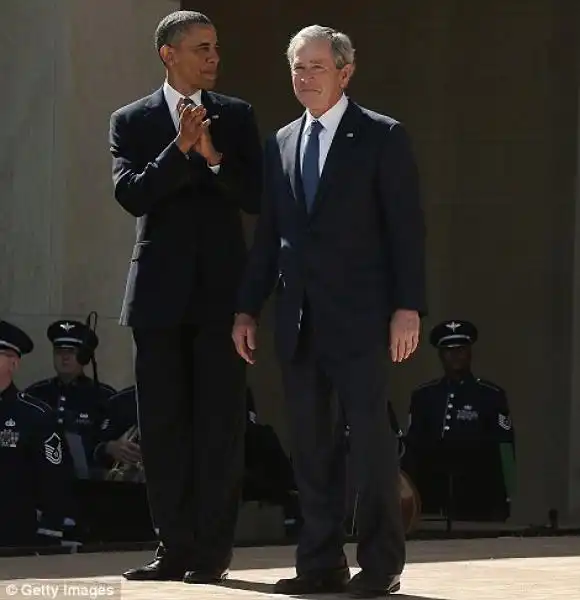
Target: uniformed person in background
(460, 440)
(80, 402)
(268, 472)
(33, 472)
(120, 508)
(119, 448)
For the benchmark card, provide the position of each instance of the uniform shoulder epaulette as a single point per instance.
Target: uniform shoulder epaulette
(428, 384)
(31, 400)
(490, 385)
(108, 388)
(40, 383)
(130, 389)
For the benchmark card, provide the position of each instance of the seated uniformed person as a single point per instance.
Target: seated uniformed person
(119, 438)
(268, 472)
(79, 401)
(33, 473)
(120, 511)
(460, 439)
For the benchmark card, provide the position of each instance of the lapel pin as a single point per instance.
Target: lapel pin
(350, 135)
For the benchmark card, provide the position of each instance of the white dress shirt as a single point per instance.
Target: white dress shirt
(172, 98)
(330, 121)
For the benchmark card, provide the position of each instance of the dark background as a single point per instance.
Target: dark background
(489, 93)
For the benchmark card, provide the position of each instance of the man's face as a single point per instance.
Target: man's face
(317, 82)
(194, 59)
(65, 361)
(9, 362)
(456, 359)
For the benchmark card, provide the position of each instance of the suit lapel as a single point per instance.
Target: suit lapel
(214, 112)
(161, 117)
(339, 155)
(290, 152)
(212, 105)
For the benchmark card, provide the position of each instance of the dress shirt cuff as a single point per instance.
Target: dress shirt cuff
(215, 168)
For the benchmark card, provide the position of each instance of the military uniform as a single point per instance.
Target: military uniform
(120, 419)
(116, 510)
(81, 404)
(459, 430)
(268, 474)
(33, 471)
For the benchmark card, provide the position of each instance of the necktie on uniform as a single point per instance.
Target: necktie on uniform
(311, 164)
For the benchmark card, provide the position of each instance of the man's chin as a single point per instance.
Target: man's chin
(209, 83)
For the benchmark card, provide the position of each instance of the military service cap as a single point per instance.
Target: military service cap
(71, 334)
(13, 338)
(452, 334)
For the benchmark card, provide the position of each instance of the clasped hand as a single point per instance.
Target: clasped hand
(194, 132)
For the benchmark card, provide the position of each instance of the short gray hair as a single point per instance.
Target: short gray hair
(342, 48)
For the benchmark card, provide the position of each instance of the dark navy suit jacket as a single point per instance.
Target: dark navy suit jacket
(190, 249)
(358, 255)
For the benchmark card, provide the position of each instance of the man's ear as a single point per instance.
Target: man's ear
(166, 55)
(346, 74)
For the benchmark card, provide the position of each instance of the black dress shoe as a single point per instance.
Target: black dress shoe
(363, 585)
(205, 576)
(158, 569)
(318, 582)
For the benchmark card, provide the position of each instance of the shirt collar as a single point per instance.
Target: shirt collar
(172, 97)
(331, 118)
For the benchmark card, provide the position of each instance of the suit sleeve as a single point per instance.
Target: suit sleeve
(139, 189)
(400, 196)
(261, 271)
(240, 173)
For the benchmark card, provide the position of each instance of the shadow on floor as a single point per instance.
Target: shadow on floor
(268, 588)
(112, 564)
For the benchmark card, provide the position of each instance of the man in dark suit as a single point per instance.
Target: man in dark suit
(341, 239)
(185, 161)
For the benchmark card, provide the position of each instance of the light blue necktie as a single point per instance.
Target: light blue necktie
(310, 166)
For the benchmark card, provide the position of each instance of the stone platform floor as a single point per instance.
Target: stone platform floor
(484, 569)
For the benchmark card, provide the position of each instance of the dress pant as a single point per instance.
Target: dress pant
(322, 393)
(191, 411)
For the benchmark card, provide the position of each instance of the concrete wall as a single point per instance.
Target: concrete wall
(488, 92)
(64, 242)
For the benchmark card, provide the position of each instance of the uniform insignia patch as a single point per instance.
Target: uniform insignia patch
(10, 423)
(53, 449)
(505, 422)
(9, 438)
(466, 414)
